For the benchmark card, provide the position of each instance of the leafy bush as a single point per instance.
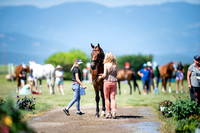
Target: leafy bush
(26, 103)
(188, 125)
(184, 109)
(167, 108)
(11, 119)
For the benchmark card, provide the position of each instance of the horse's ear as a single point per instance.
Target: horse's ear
(92, 45)
(98, 45)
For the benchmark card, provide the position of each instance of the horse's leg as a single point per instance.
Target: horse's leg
(50, 87)
(130, 87)
(36, 85)
(119, 88)
(18, 85)
(135, 85)
(97, 98)
(163, 84)
(103, 113)
(170, 90)
(40, 80)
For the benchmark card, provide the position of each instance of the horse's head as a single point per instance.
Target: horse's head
(171, 66)
(31, 66)
(97, 56)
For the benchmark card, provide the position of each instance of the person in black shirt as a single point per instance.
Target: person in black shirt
(23, 75)
(179, 76)
(76, 82)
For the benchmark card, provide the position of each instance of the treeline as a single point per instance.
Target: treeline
(67, 59)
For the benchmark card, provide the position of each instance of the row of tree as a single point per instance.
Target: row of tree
(67, 59)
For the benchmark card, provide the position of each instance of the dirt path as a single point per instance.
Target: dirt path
(129, 120)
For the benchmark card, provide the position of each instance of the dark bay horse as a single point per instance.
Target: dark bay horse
(97, 67)
(17, 71)
(166, 72)
(127, 74)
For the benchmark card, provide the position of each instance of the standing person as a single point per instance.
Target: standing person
(151, 76)
(76, 82)
(156, 78)
(193, 78)
(110, 83)
(23, 75)
(179, 76)
(59, 74)
(144, 74)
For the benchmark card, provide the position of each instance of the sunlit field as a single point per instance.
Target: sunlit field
(45, 101)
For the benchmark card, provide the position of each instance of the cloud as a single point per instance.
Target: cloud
(108, 3)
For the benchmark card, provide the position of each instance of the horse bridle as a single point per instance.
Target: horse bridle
(98, 58)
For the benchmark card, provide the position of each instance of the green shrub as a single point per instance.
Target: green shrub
(11, 119)
(188, 125)
(184, 109)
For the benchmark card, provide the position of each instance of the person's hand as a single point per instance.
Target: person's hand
(189, 86)
(84, 86)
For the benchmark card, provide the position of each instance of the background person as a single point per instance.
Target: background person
(110, 83)
(156, 78)
(179, 76)
(76, 82)
(144, 74)
(193, 78)
(151, 76)
(23, 75)
(59, 74)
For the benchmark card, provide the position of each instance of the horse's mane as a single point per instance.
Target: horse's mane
(102, 54)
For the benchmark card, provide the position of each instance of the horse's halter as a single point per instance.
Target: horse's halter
(98, 60)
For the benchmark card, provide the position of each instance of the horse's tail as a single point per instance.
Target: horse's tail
(134, 82)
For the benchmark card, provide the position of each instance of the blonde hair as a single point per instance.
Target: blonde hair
(110, 58)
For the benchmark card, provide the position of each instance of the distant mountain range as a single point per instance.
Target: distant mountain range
(169, 31)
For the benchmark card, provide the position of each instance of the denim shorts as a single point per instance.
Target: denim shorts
(59, 82)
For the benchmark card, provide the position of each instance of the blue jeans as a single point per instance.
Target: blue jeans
(194, 96)
(77, 98)
(145, 83)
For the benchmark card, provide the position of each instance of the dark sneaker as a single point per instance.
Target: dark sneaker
(66, 111)
(80, 113)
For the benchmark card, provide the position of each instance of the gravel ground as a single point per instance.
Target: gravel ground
(129, 120)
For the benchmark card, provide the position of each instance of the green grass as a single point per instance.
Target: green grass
(45, 102)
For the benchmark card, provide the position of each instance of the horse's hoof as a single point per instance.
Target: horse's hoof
(96, 116)
(103, 114)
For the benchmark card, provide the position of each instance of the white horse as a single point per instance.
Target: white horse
(43, 71)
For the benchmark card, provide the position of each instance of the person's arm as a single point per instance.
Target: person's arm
(140, 74)
(103, 75)
(188, 79)
(63, 74)
(183, 70)
(79, 81)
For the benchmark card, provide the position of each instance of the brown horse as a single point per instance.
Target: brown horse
(97, 67)
(127, 74)
(166, 72)
(17, 71)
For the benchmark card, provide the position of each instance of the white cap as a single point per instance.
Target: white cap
(149, 63)
(58, 66)
(23, 66)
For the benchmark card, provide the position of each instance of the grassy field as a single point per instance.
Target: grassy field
(45, 102)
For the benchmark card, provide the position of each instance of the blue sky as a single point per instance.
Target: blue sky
(166, 33)
(108, 3)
